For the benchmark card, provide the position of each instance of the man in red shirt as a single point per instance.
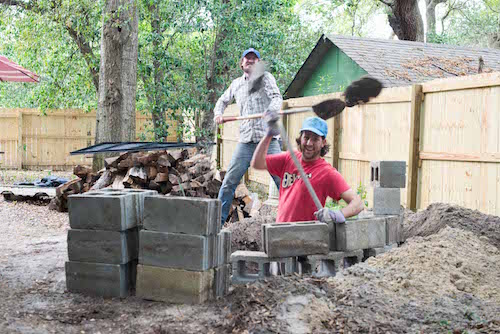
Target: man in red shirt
(295, 202)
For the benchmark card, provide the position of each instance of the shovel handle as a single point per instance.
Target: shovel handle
(255, 116)
(299, 168)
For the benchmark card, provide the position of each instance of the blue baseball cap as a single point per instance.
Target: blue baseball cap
(316, 125)
(251, 50)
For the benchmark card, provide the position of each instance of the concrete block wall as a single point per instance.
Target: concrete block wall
(103, 242)
(183, 254)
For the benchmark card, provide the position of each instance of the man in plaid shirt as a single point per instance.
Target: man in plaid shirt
(266, 99)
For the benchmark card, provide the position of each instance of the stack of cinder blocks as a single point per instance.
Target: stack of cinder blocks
(282, 244)
(103, 241)
(183, 255)
(387, 179)
(323, 250)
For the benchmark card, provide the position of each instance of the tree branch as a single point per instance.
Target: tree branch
(387, 2)
(15, 3)
(87, 54)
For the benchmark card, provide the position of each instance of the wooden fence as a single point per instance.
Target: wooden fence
(447, 130)
(31, 140)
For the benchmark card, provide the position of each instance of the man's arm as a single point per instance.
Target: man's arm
(222, 103)
(272, 91)
(354, 203)
(259, 156)
(354, 206)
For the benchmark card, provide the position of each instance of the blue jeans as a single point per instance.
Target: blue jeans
(240, 162)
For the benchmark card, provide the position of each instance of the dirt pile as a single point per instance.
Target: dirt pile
(279, 305)
(246, 234)
(447, 263)
(439, 215)
(447, 281)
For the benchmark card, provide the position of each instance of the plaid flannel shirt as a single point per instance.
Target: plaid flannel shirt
(266, 98)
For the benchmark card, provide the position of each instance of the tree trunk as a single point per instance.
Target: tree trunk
(158, 111)
(117, 75)
(430, 9)
(405, 20)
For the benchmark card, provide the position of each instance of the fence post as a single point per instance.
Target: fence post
(20, 147)
(414, 147)
(284, 120)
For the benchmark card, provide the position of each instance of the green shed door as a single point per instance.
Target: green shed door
(333, 74)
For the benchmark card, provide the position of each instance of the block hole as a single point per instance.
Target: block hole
(350, 261)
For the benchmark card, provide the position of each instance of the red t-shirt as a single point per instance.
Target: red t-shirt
(295, 202)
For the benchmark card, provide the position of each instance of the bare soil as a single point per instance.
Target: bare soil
(439, 215)
(442, 280)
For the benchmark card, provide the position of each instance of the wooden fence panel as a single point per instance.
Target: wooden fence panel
(460, 143)
(34, 141)
(457, 158)
(9, 135)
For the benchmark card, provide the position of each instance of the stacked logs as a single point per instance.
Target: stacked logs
(178, 173)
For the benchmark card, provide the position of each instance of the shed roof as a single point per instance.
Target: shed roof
(399, 63)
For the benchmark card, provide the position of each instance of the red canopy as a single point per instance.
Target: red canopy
(10, 71)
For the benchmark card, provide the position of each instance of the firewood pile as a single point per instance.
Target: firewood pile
(243, 205)
(176, 173)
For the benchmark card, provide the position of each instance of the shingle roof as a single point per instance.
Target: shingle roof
(401, 63)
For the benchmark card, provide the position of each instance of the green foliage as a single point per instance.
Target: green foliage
(468, 23)
(337, 205)
(38, 39)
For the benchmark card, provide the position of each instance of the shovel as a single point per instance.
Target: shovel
(359, 91)
(325, 110)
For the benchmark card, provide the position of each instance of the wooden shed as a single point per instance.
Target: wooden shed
(336, 61)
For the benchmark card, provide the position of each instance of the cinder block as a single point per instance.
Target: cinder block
(139, 194)
(369, 252)
(239, 260)
(329, 264)
(100, 279)
(99, 246)
(223, 247)
(386, 201)
(393, 229)
(332, 237)
(197, 216)
(114, 211)
(174, 285)
(388, 174)
(175, 250)
(222, 277)
(295, 239)
(360, 234)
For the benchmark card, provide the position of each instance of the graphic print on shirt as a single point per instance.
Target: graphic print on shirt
(289, 179)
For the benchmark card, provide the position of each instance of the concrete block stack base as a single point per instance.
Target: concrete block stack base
(222, 280)
(393, 229)
(114, 211)
(103, 243)
(386, 201)
(113, 247)
(223, 254)
(329, 264)
(174, 285)
(140, 194)
(367, 253)
(101, 279)
(295, 239)
(196, 216)
(176, 250)
(239, 259)
(182, 256)
(388, 174)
